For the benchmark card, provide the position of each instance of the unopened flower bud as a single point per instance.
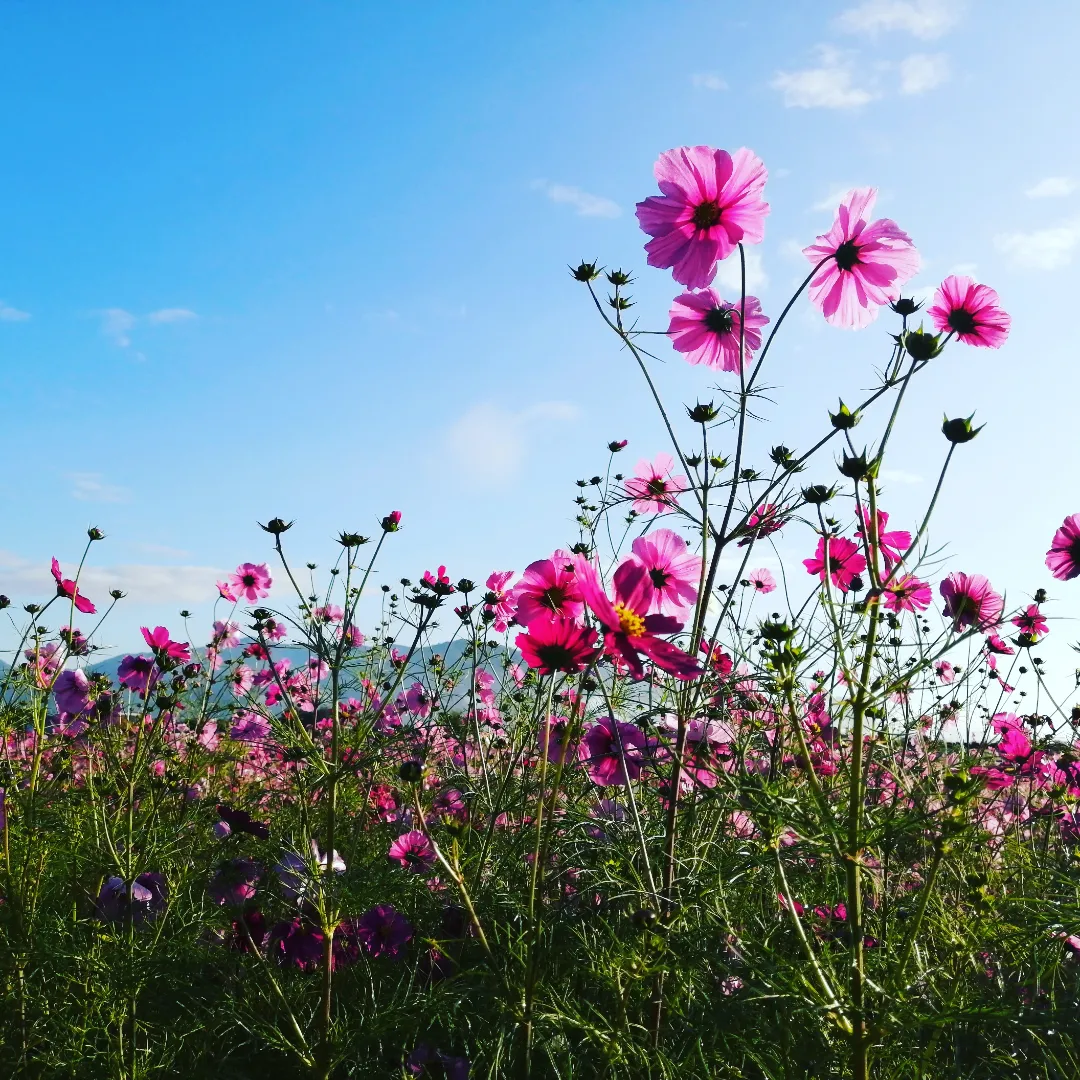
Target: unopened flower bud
(411, 772)
(392, 521)
(817, 494)
(351, 539)
(615, 447)
(619, 277)
(95, 533)
(921, 345)
(117, 594)
(905, 306)
(703, 413)
(857, 468)
(5, 601)
(960, 429)
(844, 419)
(275, 526)
(585, 271)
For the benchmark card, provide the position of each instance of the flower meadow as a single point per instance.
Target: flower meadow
(641, 808)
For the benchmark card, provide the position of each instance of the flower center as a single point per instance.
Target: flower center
(847, 255)
(707, 214)
(962, 321)
(248, 580)
(659, 577)
(656, 486)
(720, 320)
(630, 622)
(555, 657)
(553, 598)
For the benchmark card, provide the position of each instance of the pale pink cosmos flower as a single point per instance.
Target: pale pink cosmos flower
(226, 635)
(945, 671)
(674, 571)
(971, 312)
(971, 601)
(865, 263)
(653, 487)
(1063, 558)
(761, 580)
(711, 202)
(907, 593)
(251, 581)
(225, 591)
(708, 329)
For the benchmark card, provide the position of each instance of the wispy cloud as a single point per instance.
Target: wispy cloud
(12, 314)
(829, 86)
(1053, 187)
(117, 324)
(925, 19)
(708, 81)
(921, 72)
(171, 315)
(585, 204)
(729, 275)
(900, 476)
(1043, 249)
(489, 442)
(91, 487)
(831, 200)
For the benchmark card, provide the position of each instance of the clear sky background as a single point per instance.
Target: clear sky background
(308, 259)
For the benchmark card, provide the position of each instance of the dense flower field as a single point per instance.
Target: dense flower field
(623, 813)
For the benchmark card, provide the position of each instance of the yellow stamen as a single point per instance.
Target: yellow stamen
(630, 623)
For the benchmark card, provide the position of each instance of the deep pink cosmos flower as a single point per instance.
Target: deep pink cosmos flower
(892, 545)
(554, 733)
(72, 692)
(1063, 558)
(295, 943)
(612, 752)
(557, 645)
(383, 931)
(653, 487)
(766, 519)
(226, 592)
(970, 601)
(235, 882)
(707, 329)
(251, 581)
(414, 851)
(907, 593)
(866, 263)
(996, 645)
(628, 627)
(971, 312)
(1031, 621)
(761, 580)
(844, 561)
(547, 590)
(498, 600)
(67, 587)
(158, 639)
(138, 673)
(674, 571)
(711, 202)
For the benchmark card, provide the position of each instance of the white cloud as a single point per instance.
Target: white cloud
(923, 71)
(729, 275)
(116, 324)
(585, 204)
(489, 442)
(924, 18)
(706, 81)
(826, 87)
(900, 476)
(1043, 249)
(171, 315)
(12, 314)
(832, 200)
(90, 487)
(1053, 187)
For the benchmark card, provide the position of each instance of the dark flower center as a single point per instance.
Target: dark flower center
(248, 580)
(707, 214)
(962, 321)
(847, 255)
(555, 657)
(659, 577)
(656, 486)
(1074, 551)
(553, 598)
(720, 320)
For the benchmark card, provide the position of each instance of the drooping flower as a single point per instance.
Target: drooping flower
(138, 673)
(1031, 621)
(865, 263)
(711, 202)
(612, 752)
(226, 592)
(72, 692)
(628, 627)
(548, 590)
(997, 645)
(143, 901)
(766, 519)
(158, 639)
(251, 581)
(67, 587)
(892, 545)
(653, 487)
(761, 580)
(970, 311)
(971, 601)
(844, 561)
(907, 593)
(708, 329)
(557, 645)
(1063, 558)
(383, 931)
(413, 851)
(674, 571)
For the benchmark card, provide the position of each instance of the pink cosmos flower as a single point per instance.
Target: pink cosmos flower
(707, 329)
(1063, 558)
(72, 692)
(1031, 621)
(761, 580)
(251, 581)
(653, 487)
(554, 733)
(413, 851)
(766, 519)
(226, 635)
(711, 202)
(892, 545)
(628, 628)
(557, 645)
(498, 600)
(548, 590)
(295, 943)
(138, 673)
(971, 312)
(674, 571)
(907, 593)
(945, 671)
(994, 644)
(866, 263)
(158, 639)
(844, 561)
(612, 752)
(971, 601)
(67, 587)
(250, 728)
(383, 931)
(226, 592)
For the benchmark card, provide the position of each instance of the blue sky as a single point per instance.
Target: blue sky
(309, 260)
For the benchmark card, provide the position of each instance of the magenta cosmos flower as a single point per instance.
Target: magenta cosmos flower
(971, 312)
(865, 263)
(383, 931)
(251, 581)
(711, 202)
(674, 571)
(628, 627)
(762, 522)
(547, 590)
(1063, 558)
(612, 752)
(413, 851)
(67, 587)
(158, 639)
(138, 673)
(844, 561)
(971, 601)
(557, 645)
(907, 593)
(892, 545)
(653, 487)
(707, 329)
(1031, 621)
